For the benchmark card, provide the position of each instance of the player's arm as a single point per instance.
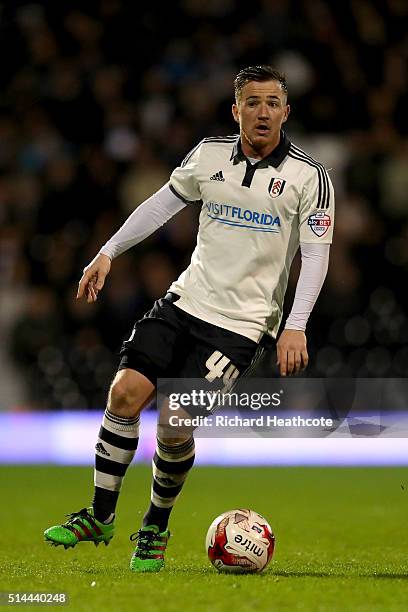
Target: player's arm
(147, 218)
(292, 346)
(182, 189)
(316, 217)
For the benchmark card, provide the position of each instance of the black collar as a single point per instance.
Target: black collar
(275, 158)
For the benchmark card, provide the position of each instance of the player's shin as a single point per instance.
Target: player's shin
(171, 464)
(114, 451)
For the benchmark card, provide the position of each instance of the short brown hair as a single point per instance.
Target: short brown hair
(258, 73)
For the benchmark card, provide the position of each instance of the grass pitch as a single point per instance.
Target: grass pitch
(342, 541)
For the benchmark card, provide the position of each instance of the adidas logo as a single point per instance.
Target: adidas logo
(218, 176)
(166, 482)
(101, 449)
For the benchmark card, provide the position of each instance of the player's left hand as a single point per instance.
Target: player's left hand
(291, 349)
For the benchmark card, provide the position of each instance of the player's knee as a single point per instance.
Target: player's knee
(169, 439)
(120, 397)
(125, 397)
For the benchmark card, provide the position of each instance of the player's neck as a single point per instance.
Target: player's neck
(249, 150)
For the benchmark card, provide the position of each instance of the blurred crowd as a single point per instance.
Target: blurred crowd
(101, 100)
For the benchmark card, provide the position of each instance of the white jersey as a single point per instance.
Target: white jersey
(253, 218)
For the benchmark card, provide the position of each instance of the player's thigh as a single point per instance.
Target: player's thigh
(155, 344)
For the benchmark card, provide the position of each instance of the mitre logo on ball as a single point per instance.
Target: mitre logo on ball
(240, 541)
(319, 223)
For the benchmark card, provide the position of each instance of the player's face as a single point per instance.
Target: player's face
(260, 111)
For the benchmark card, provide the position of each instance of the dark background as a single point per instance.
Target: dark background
(101, 100)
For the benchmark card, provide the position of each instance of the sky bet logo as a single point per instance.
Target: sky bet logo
(243, 217)
(319, 223)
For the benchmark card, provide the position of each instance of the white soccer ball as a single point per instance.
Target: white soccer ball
(240, 541)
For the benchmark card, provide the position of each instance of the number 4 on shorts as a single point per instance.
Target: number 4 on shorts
(216, 364)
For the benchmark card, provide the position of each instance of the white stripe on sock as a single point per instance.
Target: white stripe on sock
(173, 458)
(161, 502)
(131, 432)
(115, 454)
(107, 481)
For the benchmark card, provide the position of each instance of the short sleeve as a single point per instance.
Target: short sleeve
(183, 181)
(316, 212)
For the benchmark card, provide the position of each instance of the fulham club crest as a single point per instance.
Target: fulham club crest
(319, 223)
(276, 186)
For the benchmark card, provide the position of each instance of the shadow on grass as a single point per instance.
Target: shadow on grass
(118, 570)
(336, 574)
(211, 572)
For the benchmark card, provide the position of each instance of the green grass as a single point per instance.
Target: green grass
(342, 541)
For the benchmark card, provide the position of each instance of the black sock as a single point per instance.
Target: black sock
(171, 464)
(114, 451)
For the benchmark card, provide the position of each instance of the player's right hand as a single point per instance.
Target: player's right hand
(93, 278)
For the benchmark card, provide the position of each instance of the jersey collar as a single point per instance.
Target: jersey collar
(275, 158)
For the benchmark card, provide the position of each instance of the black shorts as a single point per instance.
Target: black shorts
(170, 343)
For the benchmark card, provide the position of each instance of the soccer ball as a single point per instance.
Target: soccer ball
(240, 541)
